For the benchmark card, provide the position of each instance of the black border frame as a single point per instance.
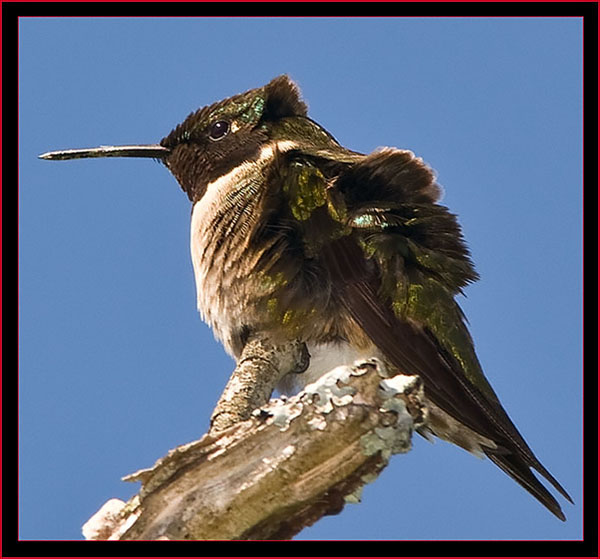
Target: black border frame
(12, 11)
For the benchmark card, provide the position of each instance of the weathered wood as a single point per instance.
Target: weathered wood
(268, 477)
(259, 369)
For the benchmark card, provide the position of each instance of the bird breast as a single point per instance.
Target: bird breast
(223, 221)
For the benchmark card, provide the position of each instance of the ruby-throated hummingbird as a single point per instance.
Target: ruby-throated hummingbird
(300, 239)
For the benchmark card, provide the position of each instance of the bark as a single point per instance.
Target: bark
(268, 477)
(259, 369)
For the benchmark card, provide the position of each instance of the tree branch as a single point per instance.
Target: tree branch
(268, 477)
(259, 369)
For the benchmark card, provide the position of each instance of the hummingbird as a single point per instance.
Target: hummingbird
(301, 239)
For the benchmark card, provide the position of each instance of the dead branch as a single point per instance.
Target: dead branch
(294, 461)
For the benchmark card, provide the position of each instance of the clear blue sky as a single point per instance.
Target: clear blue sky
(116, 367)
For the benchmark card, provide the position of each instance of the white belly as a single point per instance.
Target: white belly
(324, 358)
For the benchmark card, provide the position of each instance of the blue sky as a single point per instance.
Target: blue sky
(115, 365)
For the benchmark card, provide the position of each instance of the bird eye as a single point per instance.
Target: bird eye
(218, 130)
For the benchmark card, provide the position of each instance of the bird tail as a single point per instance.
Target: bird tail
(520, 470)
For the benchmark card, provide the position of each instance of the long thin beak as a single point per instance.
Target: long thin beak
(155, 151)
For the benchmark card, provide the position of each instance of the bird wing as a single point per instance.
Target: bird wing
(396, 261)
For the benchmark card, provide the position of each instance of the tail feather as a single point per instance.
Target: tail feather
(519, 470)
(543, 471)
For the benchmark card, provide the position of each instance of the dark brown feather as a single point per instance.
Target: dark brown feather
(413, 351)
